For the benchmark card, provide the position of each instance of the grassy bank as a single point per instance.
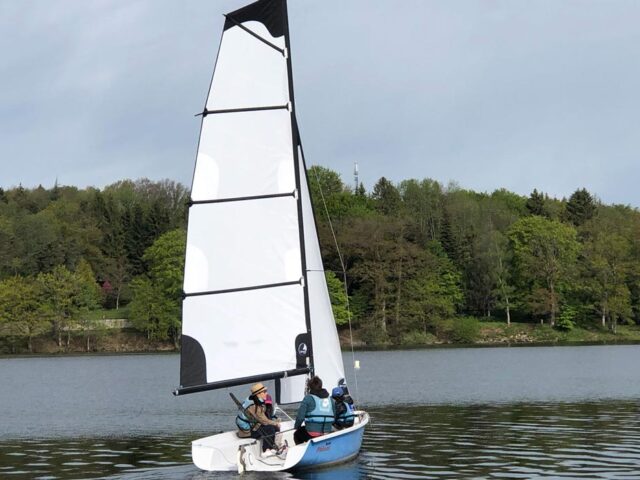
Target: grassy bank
(472, 331)
(113, 341)
(461, 331)
(499, 333)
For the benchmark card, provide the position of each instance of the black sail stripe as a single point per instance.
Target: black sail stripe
(267, 42)
(267, 12)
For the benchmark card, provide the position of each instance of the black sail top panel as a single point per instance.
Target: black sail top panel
(268, 12)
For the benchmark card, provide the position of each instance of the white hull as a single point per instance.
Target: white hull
(227, 452)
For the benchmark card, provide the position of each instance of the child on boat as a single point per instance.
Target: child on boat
(344, 408)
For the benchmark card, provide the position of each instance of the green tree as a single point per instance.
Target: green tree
(68, 298)
(387, 197)
(504, 290)
(544, 253)
(607, 264)
(57, 287)
(461, 219)
(339, 299)
(580, 207)
(7, 246)
(22, 316)
(115, 269)
(150, 311)
(566, 319)
(37, 249)
(536, 204)
(424, 202)
(87, 293)
(433, 294)
(155, 308)
(510, 202)
(374, 250)
(137, 237)
(324, 182)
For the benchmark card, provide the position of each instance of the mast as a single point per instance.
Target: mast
(295, 145)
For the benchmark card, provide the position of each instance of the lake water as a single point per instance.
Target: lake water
(534, 412)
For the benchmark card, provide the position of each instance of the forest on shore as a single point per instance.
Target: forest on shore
(425, 263)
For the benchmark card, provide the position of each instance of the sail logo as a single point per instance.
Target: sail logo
(302, 349)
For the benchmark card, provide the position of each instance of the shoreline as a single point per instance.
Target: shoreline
(343, 348)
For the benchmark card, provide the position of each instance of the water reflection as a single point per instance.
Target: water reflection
(571, 440)
(592, 440)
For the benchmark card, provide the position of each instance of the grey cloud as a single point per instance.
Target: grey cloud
(511, 94)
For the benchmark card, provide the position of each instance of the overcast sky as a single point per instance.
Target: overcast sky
(513, 94)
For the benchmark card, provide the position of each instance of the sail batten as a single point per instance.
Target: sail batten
(243, 289)
(241, 199)
(247, 109)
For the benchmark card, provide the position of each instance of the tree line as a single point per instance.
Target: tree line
(69, 251)
(423, 260)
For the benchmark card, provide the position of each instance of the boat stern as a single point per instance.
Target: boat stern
(218, 452)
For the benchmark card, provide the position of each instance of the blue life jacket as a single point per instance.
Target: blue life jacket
(321, 417)
(346, 417)
(243, 421)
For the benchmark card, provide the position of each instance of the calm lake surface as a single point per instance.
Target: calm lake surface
(534, 412)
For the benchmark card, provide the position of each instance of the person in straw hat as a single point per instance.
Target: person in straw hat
(252, 421)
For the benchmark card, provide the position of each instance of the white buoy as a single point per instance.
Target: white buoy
(356, 365)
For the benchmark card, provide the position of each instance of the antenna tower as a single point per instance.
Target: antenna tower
(355, 176)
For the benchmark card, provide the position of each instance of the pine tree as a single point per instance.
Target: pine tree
(387, 197)
(580, 207)
(535, 204)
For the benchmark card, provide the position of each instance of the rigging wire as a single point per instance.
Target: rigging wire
(342, 265)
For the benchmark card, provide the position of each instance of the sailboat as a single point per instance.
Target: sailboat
(256, 306)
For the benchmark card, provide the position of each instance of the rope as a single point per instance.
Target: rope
(285, 413)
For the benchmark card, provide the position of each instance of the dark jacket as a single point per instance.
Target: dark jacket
(344, 414)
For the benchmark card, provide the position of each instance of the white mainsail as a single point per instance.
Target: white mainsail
(256, 304)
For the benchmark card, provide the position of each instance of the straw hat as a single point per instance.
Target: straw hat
(258, 388)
